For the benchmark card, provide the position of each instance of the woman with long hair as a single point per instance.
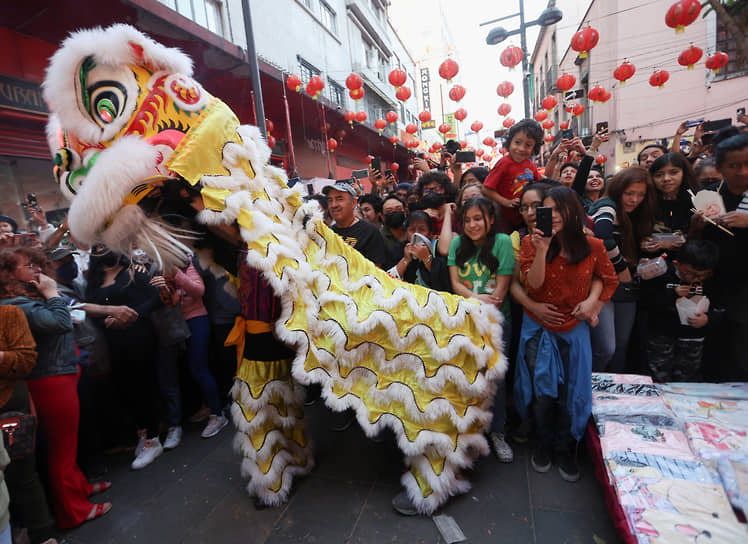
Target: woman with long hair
(554, 359)
(673, 178)
(481, 264)
(623, 218)
(53, 383)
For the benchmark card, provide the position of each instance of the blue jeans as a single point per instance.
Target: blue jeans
(611, 336)
(499, 400)
(197, 352)
(168, 380)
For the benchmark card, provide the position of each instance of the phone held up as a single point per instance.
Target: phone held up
(601, 127)
(376, 164)
(544, 221)
(694, 123)
(419, 238)
(567, 134)
(358, 174)
(465, 156)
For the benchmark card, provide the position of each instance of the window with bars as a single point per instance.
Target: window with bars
(206, 13)
(726, 44)
(328, 17)
(307, 70)
(335, 93)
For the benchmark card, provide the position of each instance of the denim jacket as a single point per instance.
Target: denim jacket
(52, 328)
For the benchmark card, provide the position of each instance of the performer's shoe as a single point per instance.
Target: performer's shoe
(502, 450)
(541, 460)
(568, 467)
(403, 505)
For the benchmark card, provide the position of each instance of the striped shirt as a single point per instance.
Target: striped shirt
(603, 214)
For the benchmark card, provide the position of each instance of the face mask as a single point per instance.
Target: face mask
(433, 200)
(67, 272)
(394, 220)
(109, 259)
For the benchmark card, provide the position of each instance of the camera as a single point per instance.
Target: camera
(452, 146)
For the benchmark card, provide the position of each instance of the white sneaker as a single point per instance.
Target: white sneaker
(214, 426)
(173, 437)
(151, 449)
(503, 451)
(142, 437)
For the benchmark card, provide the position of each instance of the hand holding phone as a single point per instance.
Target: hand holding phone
(567, 134)
(544, 220)
(419, 238)
(376, 164)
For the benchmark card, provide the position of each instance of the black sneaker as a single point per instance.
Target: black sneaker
(541, 460)
(568, 467)
(403, 505)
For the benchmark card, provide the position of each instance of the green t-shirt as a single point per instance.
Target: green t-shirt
(476, 276)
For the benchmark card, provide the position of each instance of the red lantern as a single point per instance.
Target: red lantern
(479, 153)
(444, 128)
(476, 126)
(690, 56)
(349, 116)
(584, 40)
(436, 147)
(353, 81)
(601, 159)
(341, 134)
(356, 94)
(508, 122)
(461, 114)
(504, 89)
(463, 144)
(293, 82)
(411, 128)
(717, 61)
(577, 110)
(548, 124)
(311, 91)
(489, 141)
(511, 56)
(564, 125)
(596, 93)
(424, 116)
(317, 83)
(456, 93)
(271, 141)
(540, 116)
(398, 78)
(394, 140)
(658, 78)
(394, 167)
(681, 14)
(549, 102)
(448, 69)
(361, 116)
(624, 71)
(548, 137)
(391, 117)
(566, 82)
(269, 126)
(605, 97)
(504, 109)
(379, 124)
(402, 94)
(332, 144)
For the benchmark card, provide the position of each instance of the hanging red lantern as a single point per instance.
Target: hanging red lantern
(356, 94)
(353, 81)
(596, 93)
(349, 116)
(293, 82)
(391, 117)
(566, 82)
(311, 90)
(548, 124)
(448, 69)
(564, 125)
(361, 116)
(398, 78)
(411, 128)
(317, 83)
(463, 144)
(269, 126)
(508, 122)
(511, 56)
(402, 94)
(659, 78)
(601, 159)
(379, 124)
(605, 96)
(479, 153)
(504, 89)
(504, 109)
(444, 128)
(476, 126)
(540, 116)
(461, 114)
(271, 141)
(341, 134)
(717, 61)
(332, 144)
(577, 110)
(457, 92)
(681, 14)
(690, 56)
(548, 137)
(570, 107)
(437, 146)
(624, 71)
(394, 140)
(549, 102)
(584, 40)
(489, 141)
(394, 167)
(424, 116)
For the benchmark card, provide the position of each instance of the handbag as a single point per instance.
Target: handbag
(19, 434)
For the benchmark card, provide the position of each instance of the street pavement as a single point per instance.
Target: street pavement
(195, 494)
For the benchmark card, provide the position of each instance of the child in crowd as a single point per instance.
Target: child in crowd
(481, 264)
(674, 350)
(514, 170)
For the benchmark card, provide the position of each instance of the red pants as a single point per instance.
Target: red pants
(58, 409)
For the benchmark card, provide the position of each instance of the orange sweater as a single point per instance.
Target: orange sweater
(18, 347)
(567, 285)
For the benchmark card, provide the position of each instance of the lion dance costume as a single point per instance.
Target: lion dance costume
(133, 129)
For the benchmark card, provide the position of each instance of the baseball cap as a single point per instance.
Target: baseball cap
(342, 187)
(59, 253)
(404, 186)
(10, 221)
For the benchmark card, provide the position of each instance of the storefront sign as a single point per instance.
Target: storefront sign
(426, 89)
(428, 124)
(17, 94)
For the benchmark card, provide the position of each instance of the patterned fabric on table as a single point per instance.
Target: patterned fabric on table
(620, 378)
(734, 391)
(711, 441)
(645, 438)
(734, 475)
(604, 403)
(719, 411)
(623, 463)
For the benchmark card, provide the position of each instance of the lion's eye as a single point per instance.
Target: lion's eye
(107, 101)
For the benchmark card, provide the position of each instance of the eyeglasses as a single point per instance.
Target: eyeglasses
(524, 208)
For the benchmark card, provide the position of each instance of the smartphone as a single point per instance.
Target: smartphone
(33, 202)
(26, 213)
(740, 111)
(714, 126)
(422, 156)
(602, 126)
(694, 123)
(376, 164)
(465, 156)
(309, 189)
(24, 239)
(418, 238)
(358, 174)
(567, 134)
(543, 220)
(387, 173)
